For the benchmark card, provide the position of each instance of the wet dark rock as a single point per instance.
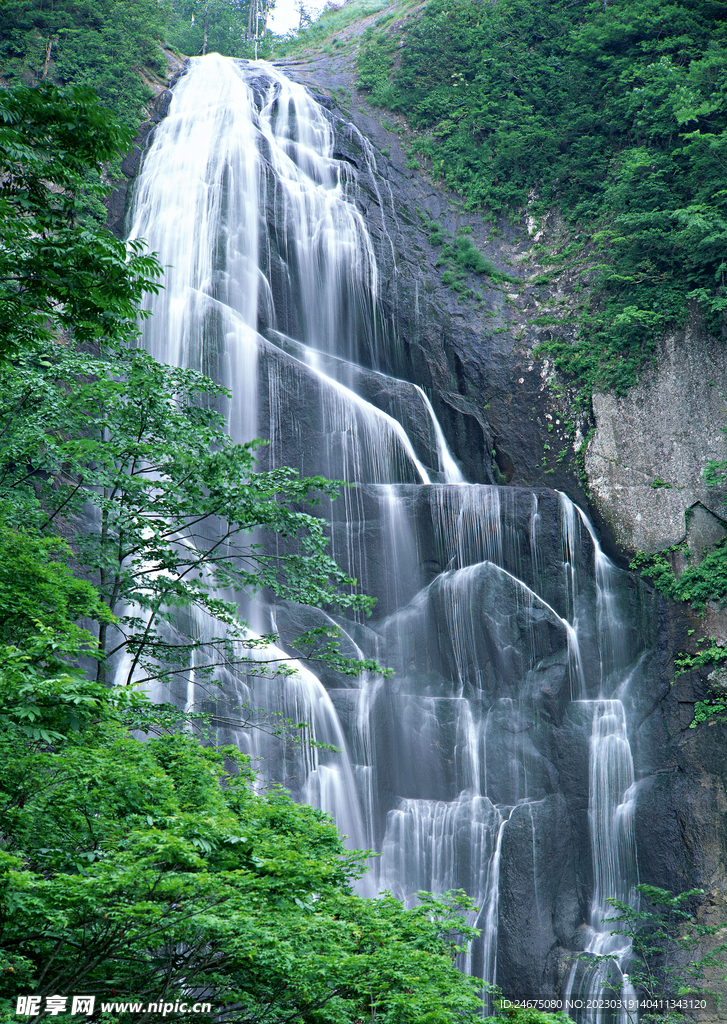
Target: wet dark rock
(472, 356)
(117, 201)
(536, 908)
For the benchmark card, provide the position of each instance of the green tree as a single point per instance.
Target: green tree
(146, 871)
(229, 27)
(667, 946)
(37, 586)
(60, 272)
(174, 504)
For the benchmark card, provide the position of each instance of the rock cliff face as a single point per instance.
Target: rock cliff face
(473, 358)
(118, 200)
(647, 455)
(503, 422)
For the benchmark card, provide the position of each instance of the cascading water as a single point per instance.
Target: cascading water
(496, 760)
(611, 801)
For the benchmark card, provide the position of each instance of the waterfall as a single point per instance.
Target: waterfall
(611, 791)
(611, 807)
(502, 618)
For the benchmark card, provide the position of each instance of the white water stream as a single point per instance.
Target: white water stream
(491, 600)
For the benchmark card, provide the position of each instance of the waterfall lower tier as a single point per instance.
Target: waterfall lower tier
(496, 759)
(611, 807)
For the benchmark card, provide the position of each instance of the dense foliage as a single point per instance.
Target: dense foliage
(58, 269)
(104, 44)
(615, 113)
(229, 27)
(113, 46)
(143, 871)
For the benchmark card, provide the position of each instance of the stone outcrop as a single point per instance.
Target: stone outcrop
(646, 458)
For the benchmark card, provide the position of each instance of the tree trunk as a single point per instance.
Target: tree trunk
(101, 665)
(206, 25)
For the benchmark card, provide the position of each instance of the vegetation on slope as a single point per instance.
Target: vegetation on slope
(324, 30)
(148, 871)
(113, 46)
(614, 113)
(103, 44)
